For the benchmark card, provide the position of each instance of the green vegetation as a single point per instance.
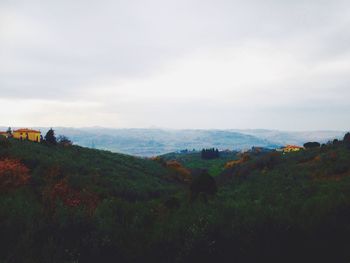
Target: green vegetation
(50, 137)
(209, 154)
(64, 203)
(194, 160)
(310, 145)
(107, 173)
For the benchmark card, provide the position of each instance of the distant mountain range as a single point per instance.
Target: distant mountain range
(293, 137)
(151, 142)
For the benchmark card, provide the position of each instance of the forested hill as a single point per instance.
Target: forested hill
(64, 203)
(101, 171)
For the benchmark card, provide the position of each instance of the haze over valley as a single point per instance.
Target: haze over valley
(152, 142)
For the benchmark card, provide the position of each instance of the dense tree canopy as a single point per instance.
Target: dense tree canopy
(310, 145)
(210, 153)
(50, 137)
(74, 204)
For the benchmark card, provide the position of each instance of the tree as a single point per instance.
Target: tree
(182, 173)
(346, 139)
(210, 153)
(64, 141)
(311, 145)
(50, 137)
(9, 132)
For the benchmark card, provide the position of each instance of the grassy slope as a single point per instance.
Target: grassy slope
(193, 160)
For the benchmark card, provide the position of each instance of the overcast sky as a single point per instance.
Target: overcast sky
(276, 64)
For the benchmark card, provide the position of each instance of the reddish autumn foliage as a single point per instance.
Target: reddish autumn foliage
(13, 174)
(70, 197)
(185, 174)
(244, 158)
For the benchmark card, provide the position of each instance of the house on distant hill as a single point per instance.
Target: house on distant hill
(27, 134)
(292, 148)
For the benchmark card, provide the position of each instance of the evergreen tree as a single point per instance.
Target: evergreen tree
(9, 132)
(50, 137)
(210, 153)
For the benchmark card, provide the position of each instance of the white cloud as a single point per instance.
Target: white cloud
(183, 64)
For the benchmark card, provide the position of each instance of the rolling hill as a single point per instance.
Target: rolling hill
(74, 204)
(153, 142)
(111, 173)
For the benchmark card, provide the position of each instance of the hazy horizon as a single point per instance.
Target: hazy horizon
(157, 141)
(166, 128)
(276, 65)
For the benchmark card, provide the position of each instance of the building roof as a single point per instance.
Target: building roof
(26, 130)
(3, 132)
(294, 146)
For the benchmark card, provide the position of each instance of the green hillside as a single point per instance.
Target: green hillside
(193, 160)
(105, 172)
(72, 204)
